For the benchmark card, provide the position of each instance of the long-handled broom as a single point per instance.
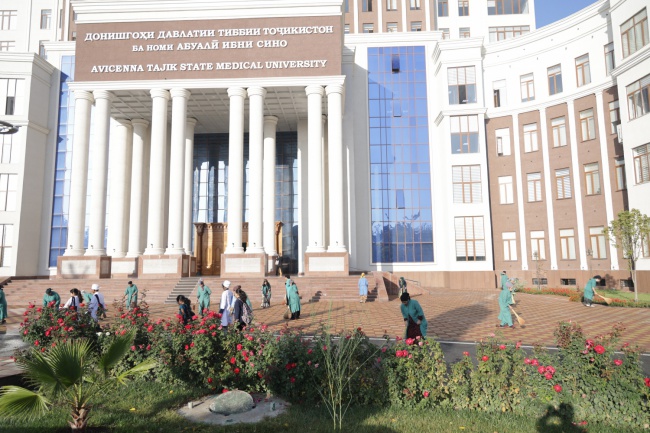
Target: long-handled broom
(520, 320)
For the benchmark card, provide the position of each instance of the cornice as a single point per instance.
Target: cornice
(632, 61)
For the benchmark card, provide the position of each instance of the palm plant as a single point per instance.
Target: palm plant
(71, 374)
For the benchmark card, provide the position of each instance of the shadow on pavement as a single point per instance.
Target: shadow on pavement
(463, 319)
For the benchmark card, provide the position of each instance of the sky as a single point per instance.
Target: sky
(549, 11)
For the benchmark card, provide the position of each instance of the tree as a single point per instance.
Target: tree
(628, 232)
(69, 373)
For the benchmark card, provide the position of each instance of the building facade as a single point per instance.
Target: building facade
(426, 137)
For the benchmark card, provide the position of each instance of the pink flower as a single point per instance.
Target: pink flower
(589, 343)
(599, 349)
(383, 349)
(557, 387)
(618, 362)
(425, 394)
(132, 348)
(485, 358)
(465, 353)
(527, 361)
(324, 348)
(409, 341)
(502, 347)
(518, 345)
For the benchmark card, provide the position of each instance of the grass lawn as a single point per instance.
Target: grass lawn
(155, 412)
(624, 294)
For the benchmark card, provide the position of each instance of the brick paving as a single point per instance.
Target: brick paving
(453, 315)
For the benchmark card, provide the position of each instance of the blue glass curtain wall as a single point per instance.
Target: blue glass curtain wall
(210, 197)
(400, 178)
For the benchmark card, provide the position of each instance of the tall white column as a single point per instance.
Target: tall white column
(188, 184)
(270, 125)
(137, 187)
(83, 101)
(336, 175)
(255, 156)
(120, 162)
(177, 171)
(97, 223)
(236, 170)
(315, 168)
(157, 162)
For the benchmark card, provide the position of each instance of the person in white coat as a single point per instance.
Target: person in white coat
(227, 299)
(96, 302)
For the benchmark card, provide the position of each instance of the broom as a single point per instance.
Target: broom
(520, 320)
(606, 299)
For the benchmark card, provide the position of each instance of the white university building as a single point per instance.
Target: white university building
(444, 140)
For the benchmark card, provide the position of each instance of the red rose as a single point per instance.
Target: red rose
(599, 349)
(541, 370)
(425, 394)
(239, 346)
(557, 388)
(502, 347)
(224, 391)
(187, 347)
(534, 362)
(36, 343)
(233, 360)
(309, 352)
(647, 381)
(465, 353)
(292, 380)
(192, 344)
(132, 347)
(527, 361)
(409, 341)
(548, 376)
(148, 346)
(485, 358)
(237, 370)
(618, 362)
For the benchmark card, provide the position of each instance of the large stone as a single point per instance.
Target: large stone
(232, 402)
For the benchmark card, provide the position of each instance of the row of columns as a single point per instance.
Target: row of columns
(129, 176)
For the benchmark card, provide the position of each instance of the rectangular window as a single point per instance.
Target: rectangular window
(537, 245)
(587, 125)
(540, 281)
(621, 184)
(368, 28)
(416, 26)
(506, 195)
(462, 85)
(415, 5)
(6, 242)
(534, 181)
(347, 6)
(509, 246)
(366, 5)
(464, 134)
(391, 5)
(583, 74)
(6, 148)
(499, 87)
(567, 281)
(46, 18)
(558, 128)
(445, 33)
(464, 32)
(610, 63)
(443, 8)
(527, 88)
(8, 20)
(614, 116)
(470, 239)
(554, 79)
(592, 178)
(568, 244)
(638, 98)
(463, 8)
(391, 27)
(642, 163)
(467, 183)
(503, 141)
(41, 49)
(530, 138)
(507, 7)
(634, 33)
(507, 32)
(7, 45)
(598, 243)
(8, 184)
(9, 89)
(563, 183)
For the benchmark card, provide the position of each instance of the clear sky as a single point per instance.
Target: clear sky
(549, 11)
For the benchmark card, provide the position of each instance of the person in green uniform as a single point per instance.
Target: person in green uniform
(402, 286)
(416, 323)
(266, 294)
(203, 294)
(131, 295)
(3, 306)
(51, 296)
(590, 291)
(505, 299)
(86, 297)
(287, 286)
(504, 280)
(294, 301)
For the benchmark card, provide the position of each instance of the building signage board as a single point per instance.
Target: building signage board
(209, 49)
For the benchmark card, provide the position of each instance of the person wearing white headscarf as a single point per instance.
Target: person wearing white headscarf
(96, 302)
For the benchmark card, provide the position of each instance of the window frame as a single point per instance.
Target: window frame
(475, 241)
(46, 19)
(443, 8)
(470, 122)
(628, 36)
(465, 84)
(610, 58)
(463, 8)
(537, 244)
(567, 244)
(583, 71)
(534, 184)
(563, 183)
(554, 79)
(391, 5)
(506, 190)
(638, 97)
(527, 87)
(416, 26)
(592, 178)
(641, 158)
(598, 243)
(8, 19)
(558, 132)
(587, 124)
(619, 167)
(509, 246)
(469, 179)
(531, 141)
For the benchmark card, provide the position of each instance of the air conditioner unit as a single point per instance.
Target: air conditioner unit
(619, 132)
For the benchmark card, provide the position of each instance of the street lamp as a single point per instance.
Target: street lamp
(7, 128)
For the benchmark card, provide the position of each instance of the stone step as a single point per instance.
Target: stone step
(185, 287)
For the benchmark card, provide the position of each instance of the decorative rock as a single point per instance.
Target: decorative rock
(232, 402)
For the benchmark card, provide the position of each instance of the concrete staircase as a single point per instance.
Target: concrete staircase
(185, 287)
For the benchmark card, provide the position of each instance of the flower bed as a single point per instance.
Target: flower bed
(575, 295)
(584, 376)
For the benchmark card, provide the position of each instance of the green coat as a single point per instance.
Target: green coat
(294, 298)
(87, 297)
(589, 289)
(131, 295)
(505, 299)
(54, 297)
(203, 295)
(504, 281)
(414, 310)
(3, 305)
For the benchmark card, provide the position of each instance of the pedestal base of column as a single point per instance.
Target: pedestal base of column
(153, 251)
(83, 267)
(124, 267)
(163, 266)
(243, 265)
(327, 264)
(95, 252)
